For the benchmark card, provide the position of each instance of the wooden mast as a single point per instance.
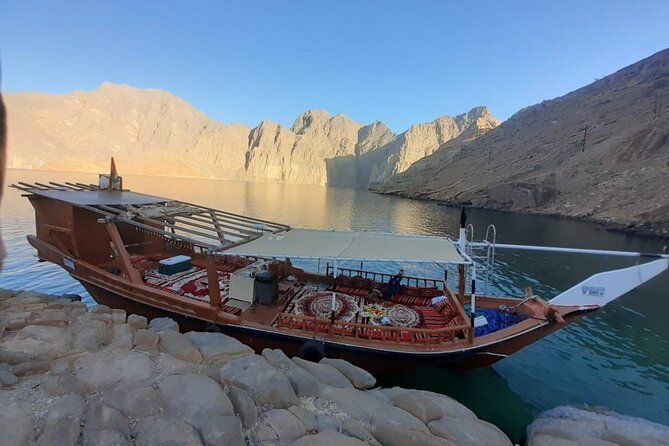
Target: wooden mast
(212, 280)
(126, 263)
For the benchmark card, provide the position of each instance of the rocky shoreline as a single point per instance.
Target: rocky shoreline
(646, 229)
(72, 376)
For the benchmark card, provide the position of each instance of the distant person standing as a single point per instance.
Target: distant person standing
(394, 285)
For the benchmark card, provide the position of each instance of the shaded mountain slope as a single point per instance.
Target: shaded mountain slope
(600, 152)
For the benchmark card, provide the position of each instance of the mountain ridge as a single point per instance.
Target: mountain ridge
(154, 132)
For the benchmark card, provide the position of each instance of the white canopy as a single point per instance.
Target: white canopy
(310, 243)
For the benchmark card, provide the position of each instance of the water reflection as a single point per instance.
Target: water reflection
(617, 357)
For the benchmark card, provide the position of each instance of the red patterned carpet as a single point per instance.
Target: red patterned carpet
(347, 309)
(191, 283)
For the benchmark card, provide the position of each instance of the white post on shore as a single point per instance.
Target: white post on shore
(334, 285)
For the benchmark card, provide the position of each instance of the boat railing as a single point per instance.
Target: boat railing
(384, 277)
(384, 333)
(460, 307)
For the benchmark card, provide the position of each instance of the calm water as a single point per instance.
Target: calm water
(617, 357)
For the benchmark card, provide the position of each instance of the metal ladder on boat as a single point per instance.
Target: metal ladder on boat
(484, 264)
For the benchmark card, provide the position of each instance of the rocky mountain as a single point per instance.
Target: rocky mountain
(152, 132)
(600, 152)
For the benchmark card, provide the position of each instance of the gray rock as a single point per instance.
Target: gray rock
(60, 385)
(7, 376)
(31, 368)
(118, 316)
(396, 435)
(122, 337)
(328, 438)
(179, 346)
(594, 426)
(304, 383)
(449, 407)
(469, 432)
(418, 405)
(16, 321)
(199, 401)
(16, 418)
(137, 322)
(164, 431)
(106, 318)
(244, 406)
(169, 365)
(316, 419)
(286, 425)
(547, 440)
(114, 369)
(217, 348)
(51, 317)
(365, 407)
(361, 379)
(91, 334)
(163, 323)
(133, 401)
(103, 417)
(225, 431)
(36, 343)
(104, 438)
(146, 340)
(63, 422)
(101, 309)
(264, 383)
(324, 373)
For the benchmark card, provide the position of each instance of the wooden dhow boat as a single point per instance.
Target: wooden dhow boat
(215, 270)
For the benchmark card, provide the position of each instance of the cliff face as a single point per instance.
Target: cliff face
(600, 152)
(152, 132)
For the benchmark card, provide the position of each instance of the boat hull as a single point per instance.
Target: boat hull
(376, 360)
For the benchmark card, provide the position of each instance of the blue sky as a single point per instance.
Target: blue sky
(398, 62)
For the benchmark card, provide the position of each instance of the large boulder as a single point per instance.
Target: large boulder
(418, 405)
(324, 373)
(447, 405)
(162, 324)
(469, 432)
(286, 425)
(244, 406)
(100, 416)
(304, 383)
(104, 438)
(63, 422)
(114, 369)
(265, 384)
(178, 345)
(134, 401)
(36, 343)
(164, 431)
(217, 348)
(566, 425)
(328, 438)
(92, 333)
(191, 397)
(361, 379)
(16, 418)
